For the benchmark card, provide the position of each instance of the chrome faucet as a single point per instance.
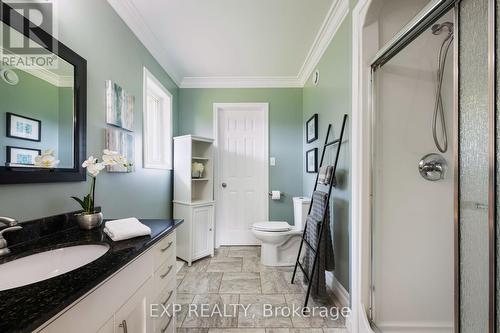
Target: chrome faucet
(8, 221)
(11, 225)
(4, 250)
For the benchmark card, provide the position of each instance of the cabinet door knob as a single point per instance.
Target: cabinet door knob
(224, 185)
(124, 326)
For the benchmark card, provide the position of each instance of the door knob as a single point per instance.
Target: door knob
(224, 185)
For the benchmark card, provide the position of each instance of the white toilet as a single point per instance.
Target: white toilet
(279, 240)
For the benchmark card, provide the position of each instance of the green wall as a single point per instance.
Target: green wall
(331, 99)
(285, 133)
(66, 111)
(93, 29)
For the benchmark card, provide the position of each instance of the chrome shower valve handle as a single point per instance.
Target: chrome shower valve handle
(432, 167)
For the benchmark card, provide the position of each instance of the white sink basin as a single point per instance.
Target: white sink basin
(46, 265)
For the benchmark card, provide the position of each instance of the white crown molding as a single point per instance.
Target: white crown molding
(130, 15)
(336, 15)
(241, 82)
(50, 77)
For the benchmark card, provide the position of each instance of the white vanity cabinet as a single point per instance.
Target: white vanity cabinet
(121, 304)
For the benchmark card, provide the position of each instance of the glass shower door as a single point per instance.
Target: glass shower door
(474, 177)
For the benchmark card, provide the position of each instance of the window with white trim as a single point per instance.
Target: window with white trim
(157, 124)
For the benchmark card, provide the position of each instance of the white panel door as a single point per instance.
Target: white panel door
(243, 168)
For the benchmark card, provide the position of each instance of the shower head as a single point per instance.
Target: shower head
(438, 28)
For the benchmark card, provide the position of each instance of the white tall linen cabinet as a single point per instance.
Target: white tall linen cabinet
(194, 197)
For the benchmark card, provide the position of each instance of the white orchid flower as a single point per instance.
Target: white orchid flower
(108, 160)
(46, 161)
(111, 157)
(95, 168)
(121, 160)
(89, 161)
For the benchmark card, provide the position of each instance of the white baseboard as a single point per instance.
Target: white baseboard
(416, 327)
(338, 289)
(341, 295)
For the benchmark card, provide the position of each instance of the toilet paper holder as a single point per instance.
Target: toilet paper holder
(281, 193)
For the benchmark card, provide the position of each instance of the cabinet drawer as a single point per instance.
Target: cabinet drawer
(164, 250)
(165, 274)
(166, 298)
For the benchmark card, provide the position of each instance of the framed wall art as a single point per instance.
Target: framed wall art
(22, 127)
(119, 106)
(312, 129)
(21, 156)
(312, 160)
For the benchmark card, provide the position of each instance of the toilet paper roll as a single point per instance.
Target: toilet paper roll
(276, 195)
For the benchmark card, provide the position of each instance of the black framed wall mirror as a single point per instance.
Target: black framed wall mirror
(42, 103)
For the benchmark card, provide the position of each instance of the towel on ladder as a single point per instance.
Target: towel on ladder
(325, 174)
(326, 260)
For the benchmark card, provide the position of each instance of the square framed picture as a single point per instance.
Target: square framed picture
(312, 129)
(21, 156)
(25, 128)
(119, 106)
(312, 160)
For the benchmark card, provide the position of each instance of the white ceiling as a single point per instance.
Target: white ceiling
(230, 43)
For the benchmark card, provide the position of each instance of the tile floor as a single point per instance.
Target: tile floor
(235, 276)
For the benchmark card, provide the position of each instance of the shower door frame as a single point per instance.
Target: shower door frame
(422, 21)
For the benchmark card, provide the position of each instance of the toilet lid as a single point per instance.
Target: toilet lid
(272, 226)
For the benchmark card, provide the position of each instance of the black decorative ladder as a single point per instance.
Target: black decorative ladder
(332, 182)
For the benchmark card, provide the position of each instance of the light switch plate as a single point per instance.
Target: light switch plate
(272, 161)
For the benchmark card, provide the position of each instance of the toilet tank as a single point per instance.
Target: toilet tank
(300, 210)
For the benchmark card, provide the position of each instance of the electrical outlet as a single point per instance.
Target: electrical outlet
(272, 161)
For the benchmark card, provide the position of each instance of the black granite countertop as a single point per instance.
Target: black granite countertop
(24, 309)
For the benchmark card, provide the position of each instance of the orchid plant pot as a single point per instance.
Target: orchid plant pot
(89, 221)
(90, 218)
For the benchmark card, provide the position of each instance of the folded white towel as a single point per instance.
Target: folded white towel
(122, 229)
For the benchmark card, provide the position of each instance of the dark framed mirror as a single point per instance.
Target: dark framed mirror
(43, 93)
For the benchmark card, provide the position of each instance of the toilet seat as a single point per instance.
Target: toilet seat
(272, 226)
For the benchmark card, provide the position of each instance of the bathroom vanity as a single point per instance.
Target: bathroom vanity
(110, 294)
